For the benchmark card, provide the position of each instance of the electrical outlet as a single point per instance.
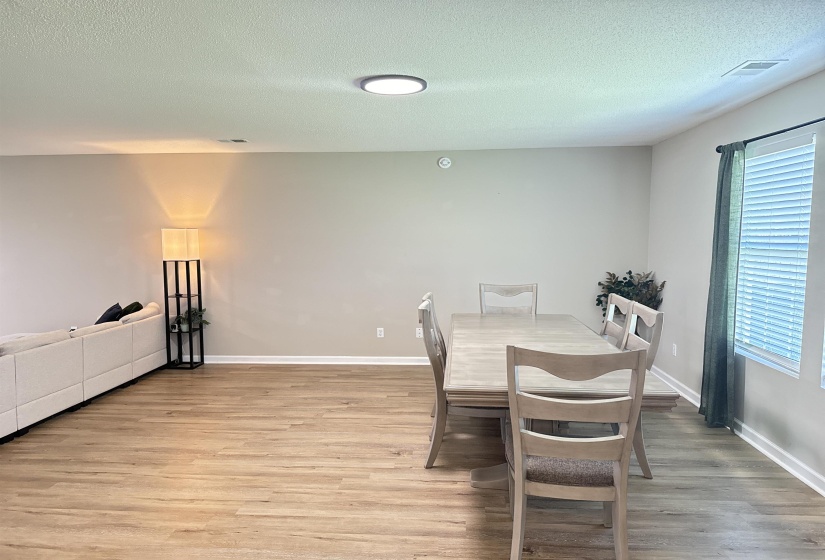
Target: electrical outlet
(419, 332)
(674, 349)
(380, 332)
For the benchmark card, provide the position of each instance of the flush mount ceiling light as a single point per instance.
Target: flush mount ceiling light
(393, 85)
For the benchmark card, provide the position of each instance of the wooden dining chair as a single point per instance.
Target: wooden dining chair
(429, 297)
(610, 327)
(572, 468)
(644, 330)
(439, 336)
(438, 361)
(508, 291)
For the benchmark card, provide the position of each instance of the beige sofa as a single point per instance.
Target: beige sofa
(39, 382)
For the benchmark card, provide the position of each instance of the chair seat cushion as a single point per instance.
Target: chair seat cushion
(565, 472)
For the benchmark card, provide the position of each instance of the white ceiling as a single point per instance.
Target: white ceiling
(148, 76)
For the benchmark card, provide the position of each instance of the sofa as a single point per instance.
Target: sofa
(43, 374)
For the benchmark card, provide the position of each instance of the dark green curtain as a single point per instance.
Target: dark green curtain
(717, 370)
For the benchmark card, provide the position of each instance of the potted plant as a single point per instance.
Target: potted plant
(641, 287)
(193, 317)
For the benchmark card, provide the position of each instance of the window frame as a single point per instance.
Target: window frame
(751, 351)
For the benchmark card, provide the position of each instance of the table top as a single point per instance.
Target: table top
(476, 373)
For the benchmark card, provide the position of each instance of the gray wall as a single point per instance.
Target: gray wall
(306, 254)
(786, 411)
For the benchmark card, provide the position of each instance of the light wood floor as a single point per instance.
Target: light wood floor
(238, 462)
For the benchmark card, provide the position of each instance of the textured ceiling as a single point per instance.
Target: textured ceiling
(145, 76)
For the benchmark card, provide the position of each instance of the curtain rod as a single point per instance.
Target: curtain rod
(749, 140)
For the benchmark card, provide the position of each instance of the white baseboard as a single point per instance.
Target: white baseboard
(781, 457)
(768, 448)
(687, 393)
(321, 360)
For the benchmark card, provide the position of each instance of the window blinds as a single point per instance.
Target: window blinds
(773, 254)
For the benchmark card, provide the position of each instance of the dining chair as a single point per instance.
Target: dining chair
(508, 291)
(572, 468)
(438, 361)
(647, 334)
(440, 337)
(651, 327)
(610, 327)
(429, 297)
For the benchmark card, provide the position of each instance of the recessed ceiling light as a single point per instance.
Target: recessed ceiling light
(393, 85)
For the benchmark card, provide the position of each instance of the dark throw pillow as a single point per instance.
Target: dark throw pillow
(110, 314)
(129, 309)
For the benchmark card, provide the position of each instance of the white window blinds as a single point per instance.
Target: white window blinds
(773, 254)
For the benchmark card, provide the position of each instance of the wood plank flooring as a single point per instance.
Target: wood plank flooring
(288, 462)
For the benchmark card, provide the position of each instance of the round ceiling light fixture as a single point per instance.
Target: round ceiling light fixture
(393, 85)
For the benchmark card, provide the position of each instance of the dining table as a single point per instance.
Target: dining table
(476, 372)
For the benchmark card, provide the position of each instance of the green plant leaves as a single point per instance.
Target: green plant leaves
(641, 287)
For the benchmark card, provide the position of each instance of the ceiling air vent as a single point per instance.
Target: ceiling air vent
(752, 67)
(234, 140)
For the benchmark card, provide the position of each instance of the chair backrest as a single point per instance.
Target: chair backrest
(653, 320)
(438, 360)
(623, 411)
(611, 328)
(440, 337)
(508, 291)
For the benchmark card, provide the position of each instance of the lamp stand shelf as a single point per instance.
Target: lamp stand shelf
(180, 302)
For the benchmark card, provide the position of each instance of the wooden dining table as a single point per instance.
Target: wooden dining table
(476, 373)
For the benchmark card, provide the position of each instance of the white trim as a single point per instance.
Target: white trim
(781, 457)
(322, 360)
(689, 394)
(768, 359)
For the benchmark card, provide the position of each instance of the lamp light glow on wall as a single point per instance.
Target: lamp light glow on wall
(180, 244)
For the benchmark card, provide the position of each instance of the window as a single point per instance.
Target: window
(773, 253)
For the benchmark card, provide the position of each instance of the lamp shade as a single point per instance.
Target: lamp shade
(180, 244)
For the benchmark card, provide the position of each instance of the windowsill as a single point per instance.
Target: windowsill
(767, 359)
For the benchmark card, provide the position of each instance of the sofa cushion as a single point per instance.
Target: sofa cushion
(150, 310)
(110, 314)
(129, 309)
(33, 341)
(106, 351)
(15, 336)
(94, 328)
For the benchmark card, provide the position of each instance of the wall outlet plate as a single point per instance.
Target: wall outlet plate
(419, 332)
(379, 332)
